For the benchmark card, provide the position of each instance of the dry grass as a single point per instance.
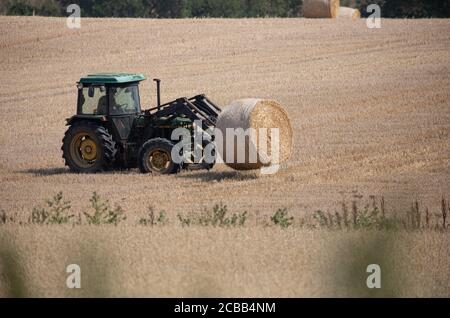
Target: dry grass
(369, 109)
(179, 262)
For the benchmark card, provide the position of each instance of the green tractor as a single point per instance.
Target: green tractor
(111, 131)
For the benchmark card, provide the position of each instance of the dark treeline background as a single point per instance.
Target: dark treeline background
(215, 8)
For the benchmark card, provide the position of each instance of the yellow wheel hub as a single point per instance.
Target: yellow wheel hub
(88, 149)
(159, 160)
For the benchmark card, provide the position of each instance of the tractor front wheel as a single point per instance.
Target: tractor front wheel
(88, 147)
(156, 156)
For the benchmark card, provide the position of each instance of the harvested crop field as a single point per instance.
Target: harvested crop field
(369, 108)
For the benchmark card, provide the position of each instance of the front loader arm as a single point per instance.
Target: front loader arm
(195, 108)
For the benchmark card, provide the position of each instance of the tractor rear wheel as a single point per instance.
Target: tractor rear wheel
(88, 147)
(155, 156)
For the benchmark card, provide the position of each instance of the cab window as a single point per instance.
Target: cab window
(124, 100)
(95, 105)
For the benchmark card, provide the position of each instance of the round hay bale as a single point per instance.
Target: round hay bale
(256, 114)
(345, 12)
(320, 8)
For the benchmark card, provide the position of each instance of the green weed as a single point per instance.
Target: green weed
(103, 213)
(282, 219)
(217, 217)
(56, 212)
(152, 219)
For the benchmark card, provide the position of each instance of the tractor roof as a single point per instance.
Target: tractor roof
(112, 78)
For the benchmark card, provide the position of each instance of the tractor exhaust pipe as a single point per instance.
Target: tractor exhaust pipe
(158, 92)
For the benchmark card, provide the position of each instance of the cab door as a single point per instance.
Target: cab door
(124, 107)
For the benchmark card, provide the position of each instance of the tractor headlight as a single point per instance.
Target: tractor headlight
(80, 86)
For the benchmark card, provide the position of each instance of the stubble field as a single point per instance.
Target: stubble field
(370, 111)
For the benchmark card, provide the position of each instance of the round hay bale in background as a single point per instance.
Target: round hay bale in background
(345, 12)
(320, 8)
(256, 114)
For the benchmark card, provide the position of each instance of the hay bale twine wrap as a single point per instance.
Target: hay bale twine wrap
(321, 8)
(345, 12)
(256, 114)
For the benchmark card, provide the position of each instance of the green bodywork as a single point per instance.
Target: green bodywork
(112, 78)
(174, 122)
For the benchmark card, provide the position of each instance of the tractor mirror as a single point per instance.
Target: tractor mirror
(91, 91)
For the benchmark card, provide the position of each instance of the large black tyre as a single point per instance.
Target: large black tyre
(214, 153)
(88, 147)
(155, 156)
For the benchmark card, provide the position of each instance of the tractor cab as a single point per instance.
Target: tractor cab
(109, 94)
(113, 97)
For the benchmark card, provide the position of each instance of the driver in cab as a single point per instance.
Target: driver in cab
(122, 101)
